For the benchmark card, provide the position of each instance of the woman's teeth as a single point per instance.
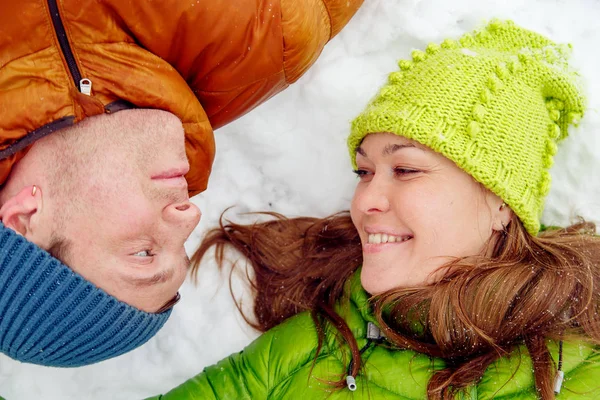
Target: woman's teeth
(377, 238)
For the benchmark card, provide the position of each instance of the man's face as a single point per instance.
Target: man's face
(123, 206)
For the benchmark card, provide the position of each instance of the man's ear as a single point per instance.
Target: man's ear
(19, 212)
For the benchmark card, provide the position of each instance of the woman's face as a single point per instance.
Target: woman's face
(415, 210)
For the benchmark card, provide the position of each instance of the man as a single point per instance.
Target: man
(106, 118)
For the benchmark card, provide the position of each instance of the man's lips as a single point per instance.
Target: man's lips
(172, 177)
(172, 173)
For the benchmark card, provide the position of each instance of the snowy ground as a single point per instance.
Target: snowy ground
(289, 156)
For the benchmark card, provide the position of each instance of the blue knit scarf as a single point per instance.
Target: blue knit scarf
(50, 315)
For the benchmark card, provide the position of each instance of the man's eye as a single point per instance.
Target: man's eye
(144, 253)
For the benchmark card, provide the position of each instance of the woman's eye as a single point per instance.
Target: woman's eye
(143, 253)
(362, 173)
(405, 171)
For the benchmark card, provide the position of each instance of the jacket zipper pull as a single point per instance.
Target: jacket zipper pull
(373, 332)
(351, 383)
(558, 381)
(560, 375)
(85, 86)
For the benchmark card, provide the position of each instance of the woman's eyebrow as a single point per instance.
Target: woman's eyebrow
(392, 148)
(388, 149)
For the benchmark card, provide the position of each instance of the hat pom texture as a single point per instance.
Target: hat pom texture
(496, 102)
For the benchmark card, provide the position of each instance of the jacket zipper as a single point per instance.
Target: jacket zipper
(61, 34)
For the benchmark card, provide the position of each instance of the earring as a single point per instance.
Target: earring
(34, 190)
(502, 206)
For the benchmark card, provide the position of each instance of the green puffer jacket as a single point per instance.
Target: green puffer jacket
(279, 365)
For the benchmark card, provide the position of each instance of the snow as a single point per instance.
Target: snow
(289, 155)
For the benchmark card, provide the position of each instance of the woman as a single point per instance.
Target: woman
(438, 284)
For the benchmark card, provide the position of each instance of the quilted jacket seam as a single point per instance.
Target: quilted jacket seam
(325, 16)
(25, 56)
(511, 395)
(328, 18)
(292, 373)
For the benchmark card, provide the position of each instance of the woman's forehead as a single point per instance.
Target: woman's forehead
(387, 143)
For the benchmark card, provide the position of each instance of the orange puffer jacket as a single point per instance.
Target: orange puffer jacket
(206, 61)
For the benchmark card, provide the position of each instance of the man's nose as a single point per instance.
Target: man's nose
(373, 197)
(183, 215)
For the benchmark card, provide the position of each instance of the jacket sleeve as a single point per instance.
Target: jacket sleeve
(511, 377)
(237, 54)
(240, 376)
(258, 370)
(582, 378)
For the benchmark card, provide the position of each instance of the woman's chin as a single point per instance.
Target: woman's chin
(376, 280)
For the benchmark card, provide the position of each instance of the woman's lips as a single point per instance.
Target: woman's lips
(371, 248)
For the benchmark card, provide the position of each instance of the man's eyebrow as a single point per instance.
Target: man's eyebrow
(159, 277)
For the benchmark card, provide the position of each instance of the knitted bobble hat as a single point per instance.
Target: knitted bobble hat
(496, 102)
(50, 315)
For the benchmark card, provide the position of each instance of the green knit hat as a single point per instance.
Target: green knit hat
(496, 102)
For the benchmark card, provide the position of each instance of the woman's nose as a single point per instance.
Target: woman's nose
(184, 215)
(372, 197)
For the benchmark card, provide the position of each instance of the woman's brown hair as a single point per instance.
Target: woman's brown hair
(526, 290)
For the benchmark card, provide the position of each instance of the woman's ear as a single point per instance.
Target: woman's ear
(21, 211)
(501, 214)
